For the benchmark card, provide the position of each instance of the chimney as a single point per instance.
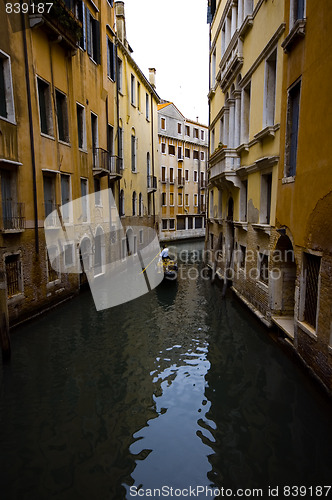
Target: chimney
(152, 77)
(120, 21)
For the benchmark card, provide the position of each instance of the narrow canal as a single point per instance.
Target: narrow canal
(179, 388)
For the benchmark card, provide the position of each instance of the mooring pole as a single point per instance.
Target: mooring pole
(4, 323)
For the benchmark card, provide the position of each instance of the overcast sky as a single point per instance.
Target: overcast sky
(173, 37)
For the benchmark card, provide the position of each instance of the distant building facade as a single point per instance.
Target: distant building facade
(77, 116)
(183, 159)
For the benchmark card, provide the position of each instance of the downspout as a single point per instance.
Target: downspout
(152, 161)
(117, 111)
(32, 142)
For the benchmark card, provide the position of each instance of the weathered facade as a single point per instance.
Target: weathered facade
(182, 158)
(269, 174)
(66, 123)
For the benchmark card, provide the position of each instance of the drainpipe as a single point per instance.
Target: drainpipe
(32, 142)
(152, 161)
(117, 110)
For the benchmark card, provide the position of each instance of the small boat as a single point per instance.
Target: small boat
(169, 268)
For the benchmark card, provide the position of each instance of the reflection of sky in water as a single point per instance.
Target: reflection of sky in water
(176, 388)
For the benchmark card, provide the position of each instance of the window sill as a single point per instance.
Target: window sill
(263, 227)
(16, 298)
(288, 180)
(83, 150)
(64, 143)
(306, 328)
(52, 284)
(297, 32)
(12, 231)
(93, 61)
(8, 120)
(268, 131)
(47, 136)
(241, 224)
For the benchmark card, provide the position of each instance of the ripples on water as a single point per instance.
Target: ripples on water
(177, 388)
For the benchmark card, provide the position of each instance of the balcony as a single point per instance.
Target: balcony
(13, 217)
(224, 164)
(203, 183)
(106, 164)
(152, 183)
(180, 181)
(59, 22)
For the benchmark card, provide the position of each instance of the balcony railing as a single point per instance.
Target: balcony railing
(58, 20)
(106, 164)
(152, 183)
(13, 217)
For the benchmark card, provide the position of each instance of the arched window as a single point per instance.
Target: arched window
(140, 205)
(134, 203)
(121, 204)
(133, 151)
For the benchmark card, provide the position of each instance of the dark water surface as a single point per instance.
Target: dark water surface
(178, 388)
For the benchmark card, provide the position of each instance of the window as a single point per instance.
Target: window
(202, 156)
(49, 195)
(163, 174)
(119, 74)
(171, 199)
(110, 139)
(212, 141)
(133, 153)
(12, 212)
(242, 257)
(172, 224)
(80, 14)
(179, 128)
(13, 275)
(45, 107)
(180, 157)
(163, 148)
(213, 68)
(202, 202)
(202, 135)
(99, 252)
(171, 149)
(132, 90)
(297, 11)
(266, 192)
(196, 136)
(270, 89)
(164, 224)
(65, 196)
(7, 110)
(138, 96)
(121, 203)
(244, 201)
(68, 254)
(110, 59)
(196, 155)
(311, 264)
(187, 153)
(52, 263)
(195, 200)
(147, 107)
(181, 223)
(94, 137)
(163, 199)
(264, 268)
(134, 200)
(140, 207)
(171, 175)
(62, 116)
(245, 114)
(198, 222)
(195, 176)
(293, 111)
(180, 199)
(186, 175)
(120, 143)
(211, 210)
(93, 37)
(96, 183)
(163, 123)
(186, 197)
(84, 199)
(141, 236)
(81, 129)
(187, 130)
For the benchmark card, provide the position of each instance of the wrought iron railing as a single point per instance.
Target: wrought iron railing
(152, 182)
(13, 217)
(104, 160)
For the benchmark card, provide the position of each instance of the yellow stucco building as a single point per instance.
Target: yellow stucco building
(77, 116)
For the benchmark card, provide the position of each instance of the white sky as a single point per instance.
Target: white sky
(173, 37)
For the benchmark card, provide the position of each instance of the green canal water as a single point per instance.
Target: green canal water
(177, 389)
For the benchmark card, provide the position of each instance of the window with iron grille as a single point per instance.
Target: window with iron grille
(13, 275)
(264, 268)
(311, 276)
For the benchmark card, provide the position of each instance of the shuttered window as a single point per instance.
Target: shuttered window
(3, 105)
